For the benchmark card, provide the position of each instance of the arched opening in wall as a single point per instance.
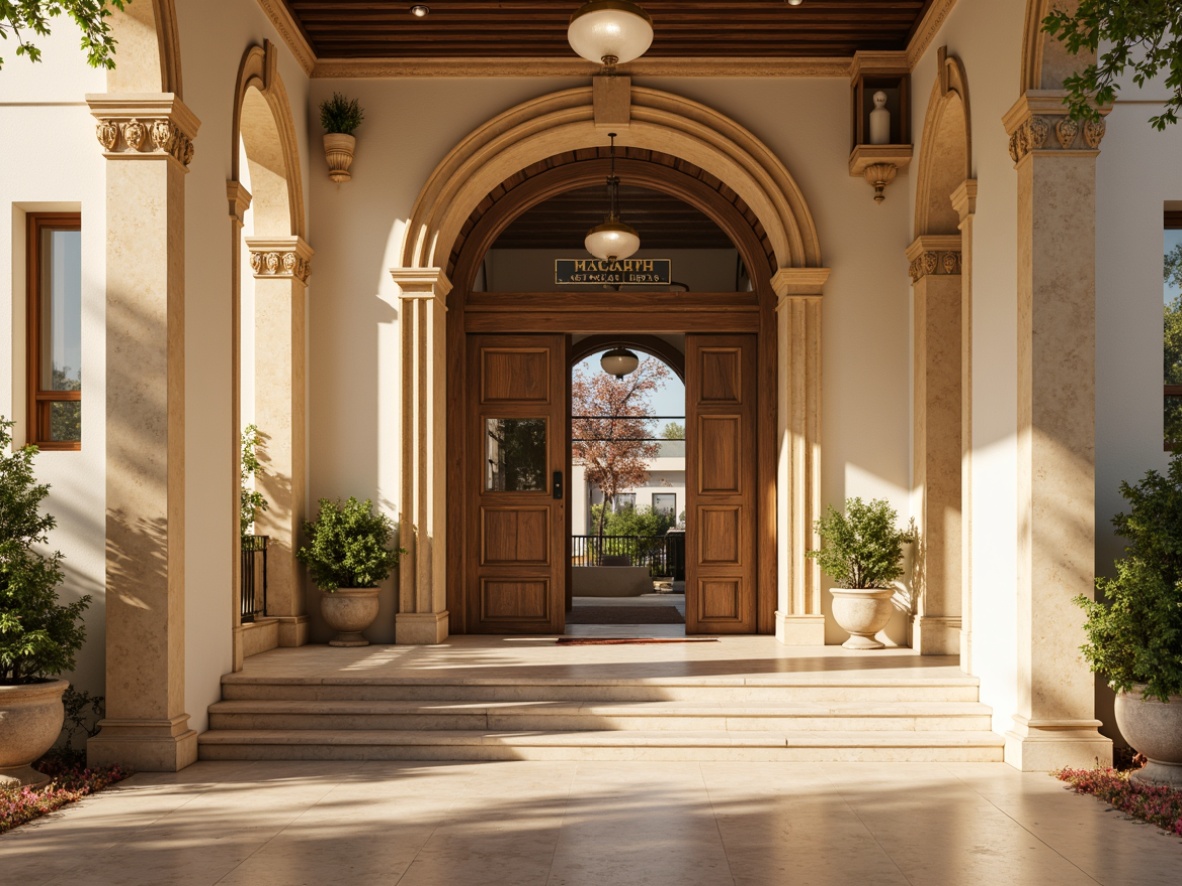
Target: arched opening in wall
(271, 266)
(529, 303)
(942, 339)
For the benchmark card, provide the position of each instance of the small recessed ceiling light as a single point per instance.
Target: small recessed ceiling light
(795, 2)
(421, 11)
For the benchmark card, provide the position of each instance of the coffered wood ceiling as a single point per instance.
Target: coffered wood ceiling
(536, 29)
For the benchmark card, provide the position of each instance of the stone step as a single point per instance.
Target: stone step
(782, 688)
(755, 746)
(563, 716)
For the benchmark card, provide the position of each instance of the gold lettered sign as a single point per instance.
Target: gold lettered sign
(591, 271)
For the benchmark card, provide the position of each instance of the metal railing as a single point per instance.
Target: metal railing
(664, 555)
(254, 577)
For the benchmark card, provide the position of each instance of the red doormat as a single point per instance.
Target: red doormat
(618, 641)
(624, 615)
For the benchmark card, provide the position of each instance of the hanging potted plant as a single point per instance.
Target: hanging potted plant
(348, 553)
(862, 550)
(39, 636)
(340, 117)
(1134, 633)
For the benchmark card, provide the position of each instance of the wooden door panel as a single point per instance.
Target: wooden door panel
(513, 602)
(515, 535)
(721, 564)
(517, 407)
(515, 375)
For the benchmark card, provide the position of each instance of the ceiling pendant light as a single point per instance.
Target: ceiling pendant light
(612, 240)
(610, 32)
(619, 362)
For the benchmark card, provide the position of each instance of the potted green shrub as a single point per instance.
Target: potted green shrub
(348, 553)
(1134, 631)
(339, 118)
(862, 550)
(39, 636)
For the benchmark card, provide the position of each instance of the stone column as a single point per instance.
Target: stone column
(281, 268)
(239, 201)
(147, 140)
(964, 201)
(936, 447)
(422, 593)
(799, 620)
(1055, 159)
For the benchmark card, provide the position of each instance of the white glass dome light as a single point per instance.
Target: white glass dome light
(612, 240)
(610, 32)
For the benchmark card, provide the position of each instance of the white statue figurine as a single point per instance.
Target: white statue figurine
(880, 120)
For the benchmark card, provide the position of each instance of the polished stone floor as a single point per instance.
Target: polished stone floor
(601, 824)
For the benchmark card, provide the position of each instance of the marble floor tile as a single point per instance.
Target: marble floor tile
(589, 824)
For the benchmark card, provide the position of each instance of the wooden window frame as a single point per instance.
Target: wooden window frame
(38, 400)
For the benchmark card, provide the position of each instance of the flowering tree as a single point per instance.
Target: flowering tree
(609, 426)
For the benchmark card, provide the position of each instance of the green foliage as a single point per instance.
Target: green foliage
(251, 501)
(674, 430)
(1172, 345)
(1140, 36)
(349, 546)
(642, 521)
(18, 16)
(39, 636)
(862, 548)
(1136, 635)
(83, 713)
(339, 114)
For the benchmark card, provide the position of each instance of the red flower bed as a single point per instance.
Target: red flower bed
(70, 782)
(1161, 806)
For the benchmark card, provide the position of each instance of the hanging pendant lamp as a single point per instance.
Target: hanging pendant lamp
(619, 362)
(612, 239)
(610, 32)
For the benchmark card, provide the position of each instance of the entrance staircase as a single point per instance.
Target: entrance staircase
(780, 717)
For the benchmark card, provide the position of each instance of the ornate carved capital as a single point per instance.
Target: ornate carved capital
(286, 258)
(934, 255)
(1038, 116)
(144, 126)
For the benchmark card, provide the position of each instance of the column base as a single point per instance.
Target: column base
(293, 630)
(800, 630)
(1043, 745)
(935, 634)
(420, 628)
(144, 745)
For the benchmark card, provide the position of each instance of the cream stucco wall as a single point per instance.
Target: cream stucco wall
(988, 40)
(53, 163)
(214, 36)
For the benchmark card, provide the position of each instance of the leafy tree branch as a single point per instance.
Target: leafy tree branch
(18, 18)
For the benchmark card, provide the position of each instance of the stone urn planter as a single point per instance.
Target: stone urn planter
(349, 611)
(31, 716)
(862, 612)
(338, 152)
(1154, 728)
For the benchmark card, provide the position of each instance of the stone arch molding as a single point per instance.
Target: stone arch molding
(562, 121)
(945, 150)
(263, 121)
(148, 49)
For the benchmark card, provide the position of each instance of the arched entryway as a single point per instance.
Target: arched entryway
(510, 159)
(940, 267)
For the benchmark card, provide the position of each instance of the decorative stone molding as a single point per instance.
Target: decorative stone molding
(879, 164)
(288, 257)
(934, 255)
(291, 34)
(1038, 115)
(929, 27)
(148, 126)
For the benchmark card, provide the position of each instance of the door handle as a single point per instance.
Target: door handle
(557, 485)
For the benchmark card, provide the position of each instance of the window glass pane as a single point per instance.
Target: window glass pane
(625, 500)
(65, 421)
(61, 311)
(665, 503)
(515, 455)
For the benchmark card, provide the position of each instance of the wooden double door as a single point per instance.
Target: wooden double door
(517, 471)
